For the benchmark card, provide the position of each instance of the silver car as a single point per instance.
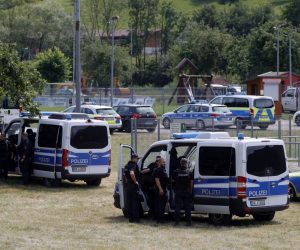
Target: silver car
(199, 116)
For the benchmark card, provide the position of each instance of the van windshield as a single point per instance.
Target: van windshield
(89, 137)
(263, 103)
(106, 111)
(266, 160)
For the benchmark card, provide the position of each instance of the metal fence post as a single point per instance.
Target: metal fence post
(279, 129)
(132, 135)
(158, 129)
(213, 124)
(290, 134)
(197, 126)
(298, 154)
(163, 100)
(135, 136)
(252, 134)
(237, 127)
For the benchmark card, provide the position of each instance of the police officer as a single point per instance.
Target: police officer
(24, 152)
(132, 203)
(148, 183)
(161, 182)
(183, 182)
(4, 156)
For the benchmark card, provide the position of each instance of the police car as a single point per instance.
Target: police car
(66, 146)
(232, 176)
(99, 112)
(249, 109)
(199, 116)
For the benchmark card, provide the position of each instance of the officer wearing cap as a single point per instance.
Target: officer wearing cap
(183, 182)
(131, 175)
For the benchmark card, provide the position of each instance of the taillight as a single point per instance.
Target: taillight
(241, 187)
(215, 115)
(21, 109)
(252, 112)
(136, 116)
(64, 159)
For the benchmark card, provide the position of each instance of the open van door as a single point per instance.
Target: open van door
(125, 152)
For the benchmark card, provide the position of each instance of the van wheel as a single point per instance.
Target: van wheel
(111, 131)
(125, 213)
(263, 127)
(95, 182)
(292, 193)
(200, 125)
(151, 130)
(297, 120)
(264, 216)
(239, 122)
(220, 219)
(48, 182)
(127, 127)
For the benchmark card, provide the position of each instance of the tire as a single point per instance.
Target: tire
(94, 183)
(237, 121)
(220, 219)
(125, 213)
(127, 126)
(263, 127)
(111, 131)
(264, 216)
(166, 123)
(48, 182)
(151, 130)
(297, 120)
(292, 193)
(200, 125)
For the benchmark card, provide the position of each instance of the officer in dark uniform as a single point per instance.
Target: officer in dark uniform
(148, 184)
(4, 156)
(183, 186)
(161, 182)
(24, 151)
(132, 203)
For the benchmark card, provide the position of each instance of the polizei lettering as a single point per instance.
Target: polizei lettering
(255, 193)
(79, 161)
(210, 192)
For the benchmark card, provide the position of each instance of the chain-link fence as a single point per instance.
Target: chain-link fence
(143, 135)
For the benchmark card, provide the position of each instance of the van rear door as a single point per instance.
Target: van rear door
(267, 175)
(89, 149)
(215, 170)
(263, 110)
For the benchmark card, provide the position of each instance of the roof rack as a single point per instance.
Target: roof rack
(68, 116)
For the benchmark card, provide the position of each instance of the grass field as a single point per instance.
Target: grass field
(75, 216)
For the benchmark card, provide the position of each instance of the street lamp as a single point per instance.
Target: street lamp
(112, 21)
(277, 48)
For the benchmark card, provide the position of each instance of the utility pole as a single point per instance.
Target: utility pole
(77, 56)
(290, 58)
(113, 19)
(277, 49)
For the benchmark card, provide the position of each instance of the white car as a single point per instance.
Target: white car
(99, 112)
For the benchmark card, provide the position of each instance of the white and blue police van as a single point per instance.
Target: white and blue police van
(232, 176)
(66, 147)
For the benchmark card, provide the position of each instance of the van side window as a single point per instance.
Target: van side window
(289, 93)
(217, 100)
(50, 136)
(217, 161)
(236, 102)
(151, 155)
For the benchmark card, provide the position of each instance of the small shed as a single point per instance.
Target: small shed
(271, 84)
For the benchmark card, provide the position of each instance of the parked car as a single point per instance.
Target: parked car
(98, 112)
(294, 188)
(199, 116)
(296, 118)
(290, 100)
(145, 116)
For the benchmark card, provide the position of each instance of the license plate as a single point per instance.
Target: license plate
(257, 202)
(109, 119)
(79, 168)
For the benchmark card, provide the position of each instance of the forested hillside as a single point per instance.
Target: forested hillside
(234, 38)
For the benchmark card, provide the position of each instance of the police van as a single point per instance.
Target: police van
(232, 176)
(66, 146)
(249, 109)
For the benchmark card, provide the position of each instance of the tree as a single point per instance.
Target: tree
(207, 15)
(19, 80)
(53, 65)
(203, 45)
(37, 27)
(291, 12)
(96, 63)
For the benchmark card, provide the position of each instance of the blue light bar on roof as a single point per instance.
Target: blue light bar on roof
(185, 135)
